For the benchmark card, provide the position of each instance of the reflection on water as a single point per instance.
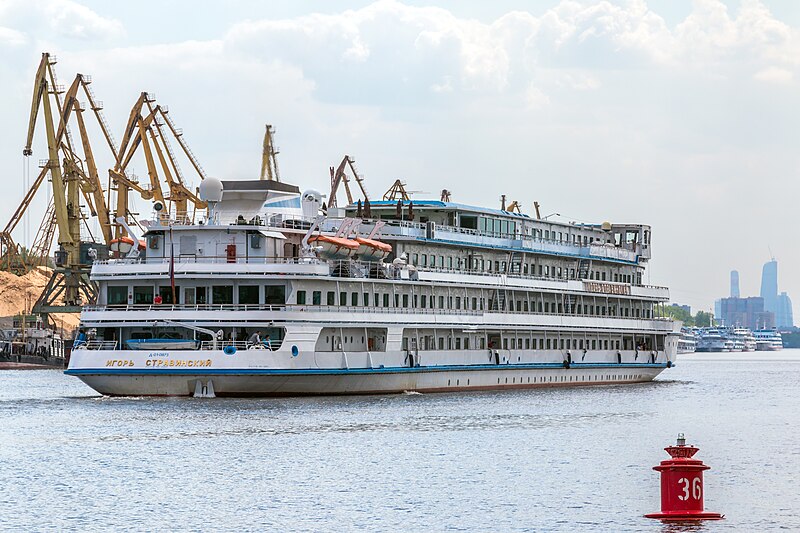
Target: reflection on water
(539, 460)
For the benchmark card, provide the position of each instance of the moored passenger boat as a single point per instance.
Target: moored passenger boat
(768, 340)
(451, 297)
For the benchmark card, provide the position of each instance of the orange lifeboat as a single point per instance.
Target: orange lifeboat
(372, 250)
(334, 247)
(123, 245)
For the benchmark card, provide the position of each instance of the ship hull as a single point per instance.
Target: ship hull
(265, 382)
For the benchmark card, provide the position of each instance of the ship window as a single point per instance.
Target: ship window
(466, 343)
(397, 300)
(366, 299)
(433, 260)
(441, 343)
(474, 303)
(166, 294)
(275, 294)
(458, 302)
(386, 300)
(143, 295)
(441, 302)
(559, 272)
(549, 341)
(424, 300)
(116, 295)
(441, 261)
(316, 298)
(405, 300)
(424, 260)
(331, 298)
(458, 343)
(449, 262)
(342, 298)
(354, 299)
(301, 297)
(415, 259)
(505, 344)
(248, 294)
(222, 294)
(414, 302)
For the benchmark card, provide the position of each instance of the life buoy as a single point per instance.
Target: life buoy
(229, 350)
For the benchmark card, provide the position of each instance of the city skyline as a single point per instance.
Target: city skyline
(771, 308)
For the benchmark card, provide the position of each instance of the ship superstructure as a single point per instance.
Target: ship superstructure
(429, 296)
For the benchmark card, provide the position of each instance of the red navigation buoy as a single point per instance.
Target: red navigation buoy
(682, 485)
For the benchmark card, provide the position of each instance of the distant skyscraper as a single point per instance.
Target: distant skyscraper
(734, 284)
(783, 314)
(769, 286)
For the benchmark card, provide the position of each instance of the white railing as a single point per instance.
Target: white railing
(94, 345)
(371, 310)
(271, 345)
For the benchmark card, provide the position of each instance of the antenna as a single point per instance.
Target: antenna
(771, 255)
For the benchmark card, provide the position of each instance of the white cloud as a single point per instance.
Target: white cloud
(45, 19)
(774, 75)
(12, 37)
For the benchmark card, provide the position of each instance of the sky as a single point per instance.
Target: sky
(681, 114)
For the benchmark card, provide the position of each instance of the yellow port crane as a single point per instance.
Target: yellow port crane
(269, 161)
(339, 176)
(397, 192)
(70, 278)
(148, 126)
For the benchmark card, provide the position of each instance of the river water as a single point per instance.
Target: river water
(537, 460)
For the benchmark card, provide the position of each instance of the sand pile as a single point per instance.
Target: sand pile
(19, 293)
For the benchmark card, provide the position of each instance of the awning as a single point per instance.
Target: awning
(272, 234)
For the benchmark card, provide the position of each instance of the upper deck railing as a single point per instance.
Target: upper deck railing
(359, 270)
(628, 252)
(339, 309)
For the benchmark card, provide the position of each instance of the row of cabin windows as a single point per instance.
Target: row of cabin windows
(526, 269)
(430, 342)
(216, 294)
(423, 301)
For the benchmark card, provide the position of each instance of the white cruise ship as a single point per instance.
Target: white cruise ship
(429, 296)
(768, 340)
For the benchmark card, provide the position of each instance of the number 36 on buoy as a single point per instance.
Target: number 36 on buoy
(682, 485)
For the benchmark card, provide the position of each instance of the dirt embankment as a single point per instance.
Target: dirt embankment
(19, 293)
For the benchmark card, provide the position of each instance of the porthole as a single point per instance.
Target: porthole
(467, 382)
(448, 382)
(506, 380)
(458, 381)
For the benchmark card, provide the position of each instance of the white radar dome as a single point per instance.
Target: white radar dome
(311, 201)
(606, 226)
(211, 190)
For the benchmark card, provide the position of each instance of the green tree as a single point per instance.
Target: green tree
(676, 312)
(702, 319)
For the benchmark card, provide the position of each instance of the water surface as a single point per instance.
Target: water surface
(538, 460)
